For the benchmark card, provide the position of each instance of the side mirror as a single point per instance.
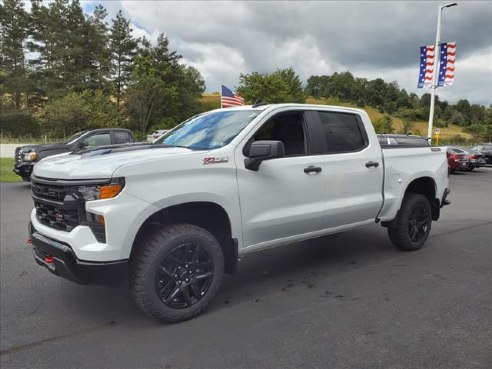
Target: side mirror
(81, 144)
(261, 151)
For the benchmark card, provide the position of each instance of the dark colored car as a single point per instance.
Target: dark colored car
(393, 140)
(475, 158)
(486, 150)
(457, 159)
(27, 156)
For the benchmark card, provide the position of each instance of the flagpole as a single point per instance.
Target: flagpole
(221, 97)
(437, 58)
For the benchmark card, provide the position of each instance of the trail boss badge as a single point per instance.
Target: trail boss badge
(214, 160)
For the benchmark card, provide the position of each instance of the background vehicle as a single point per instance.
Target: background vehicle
(176, 214)
(27, 156)
(390, 140)
(156, 134)
(486, 150)
(457, 160)
(475, 158)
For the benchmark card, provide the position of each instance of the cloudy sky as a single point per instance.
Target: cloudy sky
(368, 38)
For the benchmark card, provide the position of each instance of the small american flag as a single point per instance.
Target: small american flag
(427, 56)
(229, 98)
(446, 65)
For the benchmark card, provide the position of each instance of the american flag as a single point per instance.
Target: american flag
(446, 65)
(229, 98)
(427, 56)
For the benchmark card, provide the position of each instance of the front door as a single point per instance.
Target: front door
(285, 197)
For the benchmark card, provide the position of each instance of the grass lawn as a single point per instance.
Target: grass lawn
(6, 173)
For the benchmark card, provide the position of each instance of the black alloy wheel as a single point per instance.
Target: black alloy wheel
(176, 271)
(412, 225)
(184, 276)
(419, 223)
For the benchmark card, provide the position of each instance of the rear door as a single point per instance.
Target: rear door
(353, 169)
(285, 197)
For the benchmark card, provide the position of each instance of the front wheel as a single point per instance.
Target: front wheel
(176, 272)
(413, 224)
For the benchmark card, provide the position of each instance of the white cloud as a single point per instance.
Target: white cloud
(369, 38)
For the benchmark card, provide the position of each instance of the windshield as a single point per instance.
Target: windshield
(73, 138)
(208, 131)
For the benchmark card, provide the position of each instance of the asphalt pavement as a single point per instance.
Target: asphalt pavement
(349, 300)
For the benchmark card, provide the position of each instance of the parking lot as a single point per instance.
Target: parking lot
(345, 301)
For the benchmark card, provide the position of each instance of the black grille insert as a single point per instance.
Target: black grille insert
(58, 208)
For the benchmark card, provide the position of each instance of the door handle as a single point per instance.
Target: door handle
(374, 164)
(312, 169)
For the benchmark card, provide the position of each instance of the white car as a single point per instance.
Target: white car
(156, 134)
(175, 215)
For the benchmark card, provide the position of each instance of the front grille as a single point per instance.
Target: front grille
(57, 217)
(49, 192)
(57, 207)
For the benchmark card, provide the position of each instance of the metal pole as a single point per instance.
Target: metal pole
(434, 75)
(437, 54)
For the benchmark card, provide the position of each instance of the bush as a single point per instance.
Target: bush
(18, 122)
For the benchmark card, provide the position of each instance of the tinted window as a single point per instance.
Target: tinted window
(99, 139)
(285, 127)
(341, 131)
(121, 137)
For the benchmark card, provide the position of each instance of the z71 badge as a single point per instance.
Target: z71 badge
(213, 160)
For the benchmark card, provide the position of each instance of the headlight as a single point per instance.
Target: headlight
(29, 156)
(102, 191)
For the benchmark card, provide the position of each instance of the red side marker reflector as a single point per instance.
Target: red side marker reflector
(49, 259)
(29, 241)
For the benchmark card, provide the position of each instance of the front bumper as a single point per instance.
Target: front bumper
(23, 169)
(60, 260)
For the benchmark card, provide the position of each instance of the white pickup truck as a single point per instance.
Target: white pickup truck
(173, 216)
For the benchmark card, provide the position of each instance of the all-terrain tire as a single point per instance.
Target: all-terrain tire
(413, 223)
(176, 271)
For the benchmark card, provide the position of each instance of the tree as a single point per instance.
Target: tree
(13, 34)
(384, 124)
(78, 111)
(146, 101)
(282, 86)
(97, 44)
(123, 48)
(163, 92)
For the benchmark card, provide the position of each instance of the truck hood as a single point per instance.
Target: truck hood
(101, 163)
(39, 148)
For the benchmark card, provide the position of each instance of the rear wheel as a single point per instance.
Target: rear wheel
(413, 224)
(176, 272)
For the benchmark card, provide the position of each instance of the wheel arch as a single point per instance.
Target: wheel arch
(426, 186)
(205, 214)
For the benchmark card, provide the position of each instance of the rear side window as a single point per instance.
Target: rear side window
(121, 137)
(342, 132)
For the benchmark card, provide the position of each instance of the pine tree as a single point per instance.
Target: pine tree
(123, 47)
(13, 34)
